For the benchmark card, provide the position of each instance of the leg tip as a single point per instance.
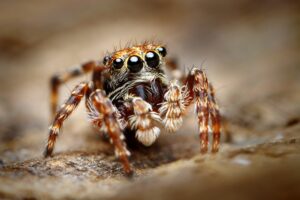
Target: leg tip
(130, 174)
(203, 150)
(215, 150)
(47, 153)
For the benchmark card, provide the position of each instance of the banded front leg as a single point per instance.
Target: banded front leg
(105, 116)
(206, 108)
(215, 119)
(63, 113)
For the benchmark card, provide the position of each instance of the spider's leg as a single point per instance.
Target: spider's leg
(144, 121)
(104, 115)
(63, 113)
(171, 63)
(173, 107)
(59, 79)
(99, 77)
(173, 67)
(215, 118)
(198, 91)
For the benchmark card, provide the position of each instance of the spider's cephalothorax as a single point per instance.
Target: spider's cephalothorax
(136, 72)
(129, 90)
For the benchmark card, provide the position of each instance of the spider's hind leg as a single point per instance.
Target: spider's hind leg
(59, 79)
(206, 108)
(173, 67)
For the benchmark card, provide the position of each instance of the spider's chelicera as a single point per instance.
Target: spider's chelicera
(130, 91)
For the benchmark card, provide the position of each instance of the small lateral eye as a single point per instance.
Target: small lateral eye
(162, 51)
(152, 59)
(106, 60)
(135, 64)
(118, 63)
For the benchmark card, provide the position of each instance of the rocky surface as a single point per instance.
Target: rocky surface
(251, 52)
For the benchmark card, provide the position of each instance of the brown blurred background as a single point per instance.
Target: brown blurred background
(249, 49)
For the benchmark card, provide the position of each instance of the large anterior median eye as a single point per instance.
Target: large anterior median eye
(135, 64)
(118, 63)
(152, 59)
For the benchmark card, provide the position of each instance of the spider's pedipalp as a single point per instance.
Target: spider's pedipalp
(173, 107)
(143, 120)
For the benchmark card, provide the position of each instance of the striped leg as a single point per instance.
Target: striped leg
(143, 120)
(198, 90)
(59, 79)
(215, 119)
(63, 113)
(173, 107)
(104, 115)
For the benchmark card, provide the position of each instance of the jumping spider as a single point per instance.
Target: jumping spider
(130, 91)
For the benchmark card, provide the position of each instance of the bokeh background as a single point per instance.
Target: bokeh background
(250, 51)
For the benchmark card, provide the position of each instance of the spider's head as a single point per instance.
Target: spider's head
(135, 61)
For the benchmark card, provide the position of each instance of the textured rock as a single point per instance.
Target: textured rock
(252, 52)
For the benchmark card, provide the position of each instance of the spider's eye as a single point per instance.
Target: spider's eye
(162, 51)
(118, 63)
(135, 64)
(152, 59)
(106, 60)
